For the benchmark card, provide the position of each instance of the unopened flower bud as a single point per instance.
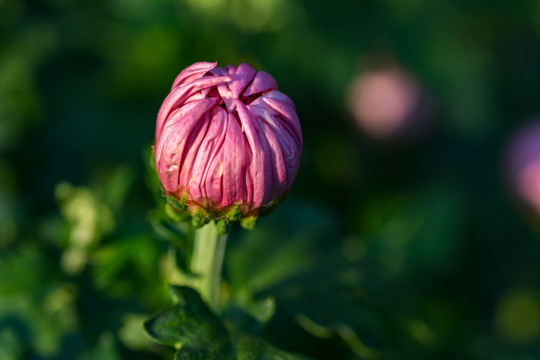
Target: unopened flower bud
(523, 165)
(387, 102)
(228, 143)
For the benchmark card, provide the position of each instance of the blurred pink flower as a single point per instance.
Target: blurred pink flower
(386, 102)
(524, 164)
(227, 137)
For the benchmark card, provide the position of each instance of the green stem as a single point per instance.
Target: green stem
(207, 261)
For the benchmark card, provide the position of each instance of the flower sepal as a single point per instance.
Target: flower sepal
(178, 211)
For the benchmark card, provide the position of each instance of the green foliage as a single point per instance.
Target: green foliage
(188, 323)
(252, 348)
(198, 333)
(104, 350)
(384, 249)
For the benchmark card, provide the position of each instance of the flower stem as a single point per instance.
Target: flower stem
(207, 261)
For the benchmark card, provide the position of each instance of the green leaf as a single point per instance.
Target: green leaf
(115, 260)
(104, 350)
(11, 346)
(345, 332)
(151, 176)
(251, 317)
(202, 353)
(253, 348)
(192, 327)
(117, 187)
(263, 310)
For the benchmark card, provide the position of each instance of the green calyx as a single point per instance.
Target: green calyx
(175, 215)
(234, 214)
(222, 227)
(249, 222)
(199, 218)
(178, 205)
(200, 215)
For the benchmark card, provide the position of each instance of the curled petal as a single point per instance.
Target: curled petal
(244, 75)
(263, 81)
(204, 167)
(178, 126)
(236, 159)
(181, 95)
(193, 72)
(261, 169)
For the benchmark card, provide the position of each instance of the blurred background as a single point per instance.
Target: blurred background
(412, 231)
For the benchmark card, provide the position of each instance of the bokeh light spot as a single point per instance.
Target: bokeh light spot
(517, 319)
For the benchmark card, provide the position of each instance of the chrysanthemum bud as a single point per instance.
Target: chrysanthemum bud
(228, 143)
(523, 165)
(387, 102)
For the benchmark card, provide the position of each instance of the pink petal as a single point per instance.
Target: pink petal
(179, 95)
(287, 162)
(261, 169)
(192, 144)
(244, 75)
(208, 151)
(283, 104)
(263, 81)
(236, 159)
(170, 146)
(193, 72)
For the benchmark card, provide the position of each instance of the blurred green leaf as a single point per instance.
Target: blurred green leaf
(253, 348)
(198, 333)
(150, 174)
(38, 309)
(292, 235)
(250, 317)
(11, 347)
(202, 353)
(117, 186)
(86, 212)
(262, 310)
(104, 350)
(132, 333)
(111, 260)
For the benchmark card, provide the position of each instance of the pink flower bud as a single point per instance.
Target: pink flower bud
(387, 102)
(227, 139)
(523, 164)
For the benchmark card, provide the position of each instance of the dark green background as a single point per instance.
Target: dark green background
(410, 250)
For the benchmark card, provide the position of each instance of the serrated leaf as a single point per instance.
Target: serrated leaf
(191, 324)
